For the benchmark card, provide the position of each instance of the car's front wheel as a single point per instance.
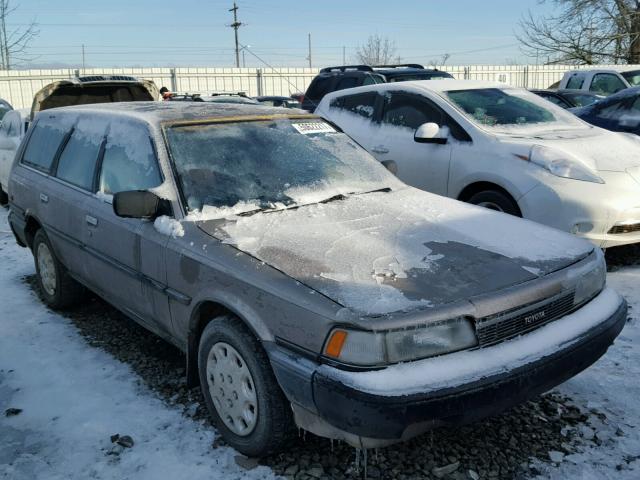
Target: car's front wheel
(496, 200)
(240, 389)
(58, 289)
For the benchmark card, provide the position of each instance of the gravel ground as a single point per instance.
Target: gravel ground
(500, 447)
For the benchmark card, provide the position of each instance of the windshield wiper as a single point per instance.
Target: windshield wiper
(377, 190)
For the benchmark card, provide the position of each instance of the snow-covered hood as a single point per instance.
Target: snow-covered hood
(597, 148)
(384, 252)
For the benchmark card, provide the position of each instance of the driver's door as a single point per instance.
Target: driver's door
(422, 165)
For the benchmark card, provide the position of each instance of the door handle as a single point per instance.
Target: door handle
(380, 149)
(44, 198)
(93, 221)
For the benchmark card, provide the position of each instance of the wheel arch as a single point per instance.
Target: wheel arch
(32, 225)
(205, 311)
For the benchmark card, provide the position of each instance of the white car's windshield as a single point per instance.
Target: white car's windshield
(510, 110)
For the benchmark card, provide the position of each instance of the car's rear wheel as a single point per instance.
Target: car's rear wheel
(4, 198)
(240, 389)
(496, 200)
(58, 289)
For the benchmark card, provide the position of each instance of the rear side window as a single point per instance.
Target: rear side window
(44, 142)
(78, 159)
(348, 82)
(575, 82)
(362, 104)
(129, 161)
(319, 88)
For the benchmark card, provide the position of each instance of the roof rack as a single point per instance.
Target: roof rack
(236, 94)
(401, 65)
(344, 68)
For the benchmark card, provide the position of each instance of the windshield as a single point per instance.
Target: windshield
(254, 165)
(633, 77)
(510, 110)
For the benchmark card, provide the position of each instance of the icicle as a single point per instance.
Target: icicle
(376, 453)
(364, 451)
(331, 440)
(357, 461)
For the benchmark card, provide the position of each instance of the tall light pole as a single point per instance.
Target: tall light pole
(309, 57)
(236, 25)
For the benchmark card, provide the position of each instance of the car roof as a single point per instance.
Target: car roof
(157, 113)
(592, 70)
(418, 86)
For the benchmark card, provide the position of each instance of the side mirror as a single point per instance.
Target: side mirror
(140, 204)
(430, 133)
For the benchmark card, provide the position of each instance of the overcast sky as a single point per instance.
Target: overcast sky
(195, 32)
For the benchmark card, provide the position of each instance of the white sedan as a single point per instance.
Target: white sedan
(502, 148)
(14, 126)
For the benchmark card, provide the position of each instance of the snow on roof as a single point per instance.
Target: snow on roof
(159, 112)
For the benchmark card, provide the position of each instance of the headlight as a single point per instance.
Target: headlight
(591, 283)
(562, 164)
(357, 347)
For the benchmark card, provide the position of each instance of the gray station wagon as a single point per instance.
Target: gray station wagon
(306, 284)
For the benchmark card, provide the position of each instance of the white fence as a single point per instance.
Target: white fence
(19, 86)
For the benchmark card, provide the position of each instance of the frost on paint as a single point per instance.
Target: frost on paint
(168, 226)
(387, 251)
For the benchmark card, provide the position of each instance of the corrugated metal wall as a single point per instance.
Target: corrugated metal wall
(19, 86)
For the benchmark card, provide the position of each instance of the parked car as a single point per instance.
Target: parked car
(500, 147)
(213, 98)
(4, 108)
(278, 101)
(619, 112)
(12, 129)
(569, 98)
(632, 77)
(601, 82)
(75, 91)
(306, 284)
(331, 79)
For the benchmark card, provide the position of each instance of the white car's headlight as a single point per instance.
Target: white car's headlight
(561, 164)
(358, 347)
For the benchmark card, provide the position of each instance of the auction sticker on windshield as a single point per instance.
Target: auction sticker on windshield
(307, 128)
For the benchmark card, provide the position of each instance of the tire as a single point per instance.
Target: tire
(58, 289)
(262, 420)
(496, 200)
(4, 198)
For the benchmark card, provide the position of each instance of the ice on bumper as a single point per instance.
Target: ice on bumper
(464, 367)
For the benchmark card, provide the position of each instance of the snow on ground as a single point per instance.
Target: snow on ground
(74, 397)
(610, 386)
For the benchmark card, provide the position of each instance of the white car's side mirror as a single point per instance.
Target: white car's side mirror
(430, 133)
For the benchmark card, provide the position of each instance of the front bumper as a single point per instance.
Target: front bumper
(589, 210)
(371, 411)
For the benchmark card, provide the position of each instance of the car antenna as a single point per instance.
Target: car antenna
(246, 47)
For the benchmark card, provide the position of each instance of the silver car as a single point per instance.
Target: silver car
(305, 283)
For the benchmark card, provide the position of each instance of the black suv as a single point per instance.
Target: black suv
(331, 79)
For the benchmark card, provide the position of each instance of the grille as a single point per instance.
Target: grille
(618, 229)
(496, 328)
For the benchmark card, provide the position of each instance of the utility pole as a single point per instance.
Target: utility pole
(236, 25)
(83, 64)
(244, 63)
(344, 55)
(309, 57)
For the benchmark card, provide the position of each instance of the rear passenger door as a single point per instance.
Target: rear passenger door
(127, 254)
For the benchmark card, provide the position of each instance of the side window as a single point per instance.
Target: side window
(78, 159)
(606, 83)
(372, 79)
(129, 161)
(557, 100)
(347, 82)
(610, 110)
(44, 142)
(319, 88)
(576, 82)
(362, 104)
(410, 111)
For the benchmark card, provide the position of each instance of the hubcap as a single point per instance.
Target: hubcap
(232, 389)
(46, 269)
(491, 206)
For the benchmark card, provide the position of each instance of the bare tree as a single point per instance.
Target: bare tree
(378, 51)
(584, 32)
(440, 62)
(13, 42)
